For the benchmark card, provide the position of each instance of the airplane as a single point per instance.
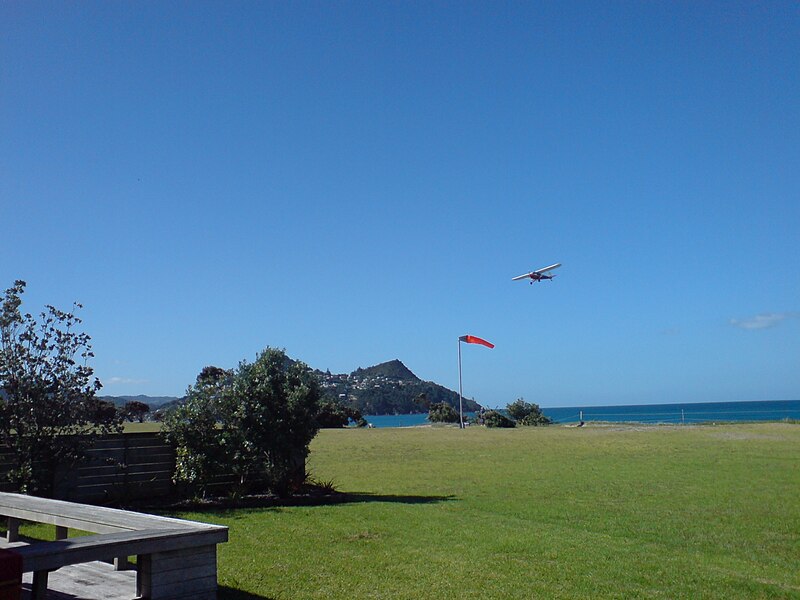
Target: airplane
(538, 275)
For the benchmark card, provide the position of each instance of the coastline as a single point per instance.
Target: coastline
(694, 413)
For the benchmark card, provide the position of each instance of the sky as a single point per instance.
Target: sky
(356, 182)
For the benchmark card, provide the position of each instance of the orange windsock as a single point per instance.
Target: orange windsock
(471, 339)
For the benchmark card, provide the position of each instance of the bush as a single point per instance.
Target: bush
(255, 422)
(441, 412)
(526, 413)
(273, 406)
(195, 428)
(535, 420)
(333, 415)
(135, 410)
(49, 412)
(492, 418)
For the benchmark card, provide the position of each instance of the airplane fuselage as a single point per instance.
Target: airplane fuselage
(537, 275)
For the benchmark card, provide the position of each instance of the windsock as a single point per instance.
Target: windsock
(471, 339)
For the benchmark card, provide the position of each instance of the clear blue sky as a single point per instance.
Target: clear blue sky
(357, 182)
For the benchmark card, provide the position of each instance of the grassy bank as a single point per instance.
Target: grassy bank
(604, 512)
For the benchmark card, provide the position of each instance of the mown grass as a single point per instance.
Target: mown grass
(596, 512)
(147, 427)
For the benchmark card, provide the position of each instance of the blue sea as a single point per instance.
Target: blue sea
(700, 412)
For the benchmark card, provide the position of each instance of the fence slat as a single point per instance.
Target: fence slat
(128, 466)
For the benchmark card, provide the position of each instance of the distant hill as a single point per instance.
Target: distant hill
(384, 389)
(388, 388)
(394, 369)
(153, 402)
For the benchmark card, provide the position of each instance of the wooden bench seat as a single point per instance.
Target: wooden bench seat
(176, 559)
(97, 519)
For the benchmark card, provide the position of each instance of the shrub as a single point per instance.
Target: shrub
(272, 411)
(441, 412)
(135, 410)
(535, 420)
(526, 413)
(255, 422)
(493, 418)
(334, 415)
(49, 413)
(194, 427)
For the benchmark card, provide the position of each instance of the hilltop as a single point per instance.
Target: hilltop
(387, 388)
(394, 369)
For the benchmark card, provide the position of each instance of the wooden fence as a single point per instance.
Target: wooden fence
(120, 467)
(124, 467)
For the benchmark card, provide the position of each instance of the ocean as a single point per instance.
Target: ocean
(698, 412)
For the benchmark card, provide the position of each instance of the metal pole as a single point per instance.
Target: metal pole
(460, 392)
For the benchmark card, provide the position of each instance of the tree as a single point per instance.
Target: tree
(192, 427)
(103, 411)
(441, 412)
(536, 419)
(135, 410)
(255, 422)
(334, 415)
(273, 408)
(518, 409)
(212, 374)
(493, 418)
(49, 414)
(526, 413)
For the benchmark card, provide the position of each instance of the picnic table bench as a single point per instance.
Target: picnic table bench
(176, 559)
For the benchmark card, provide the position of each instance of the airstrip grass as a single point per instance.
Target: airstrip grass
(594, 512)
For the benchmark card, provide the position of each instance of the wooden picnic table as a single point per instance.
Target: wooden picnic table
(176, 558)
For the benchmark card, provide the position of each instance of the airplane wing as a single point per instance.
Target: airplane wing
(546, 269)
(521, 277)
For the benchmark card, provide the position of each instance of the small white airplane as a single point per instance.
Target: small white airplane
(538, 275)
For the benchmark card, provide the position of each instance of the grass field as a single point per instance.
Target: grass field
(596, 512)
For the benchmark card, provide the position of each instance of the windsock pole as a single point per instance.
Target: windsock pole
(460, 391)
(469, 339)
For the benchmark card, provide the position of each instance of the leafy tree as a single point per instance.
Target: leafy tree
(213, 374)
(135, 410)
(493, 418)
(103, 411)
(255, 422)
(333, 415)
(526, 413)
(273, 408)
(192, 427)
(441, 412)
(49, 414)
(518, 409)
(536, 419)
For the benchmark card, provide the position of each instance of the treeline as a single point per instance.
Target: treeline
(395, 398)
(518, 412)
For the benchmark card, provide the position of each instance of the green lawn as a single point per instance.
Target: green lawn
(597, 512)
